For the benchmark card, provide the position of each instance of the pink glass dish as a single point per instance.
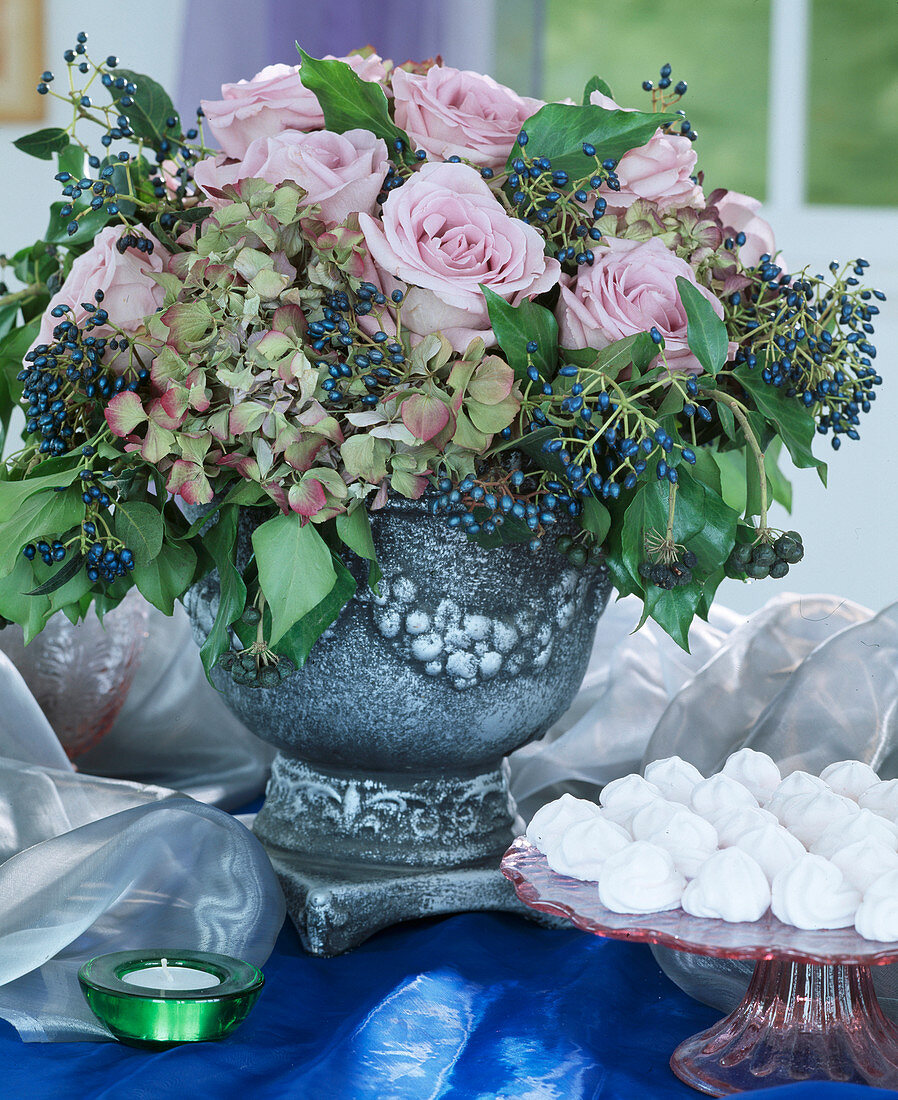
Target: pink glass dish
(810, 1012)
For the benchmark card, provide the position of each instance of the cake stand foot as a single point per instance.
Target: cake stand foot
(797, 1022)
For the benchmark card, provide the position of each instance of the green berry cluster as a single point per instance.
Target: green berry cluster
(766, 558)
(669, 574)
(256, 666)
(250, 669)
(577, 554)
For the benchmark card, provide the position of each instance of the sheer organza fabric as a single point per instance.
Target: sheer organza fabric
(90, 865)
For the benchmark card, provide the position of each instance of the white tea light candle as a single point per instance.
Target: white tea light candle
(171, 977)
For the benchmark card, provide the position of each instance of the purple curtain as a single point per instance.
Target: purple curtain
(229, 40)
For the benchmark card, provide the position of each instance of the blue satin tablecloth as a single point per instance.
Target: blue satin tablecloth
(477, 1006)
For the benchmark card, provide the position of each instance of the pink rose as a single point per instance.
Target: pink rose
(274, 100)
(129, 295)
(659, 171)
(451, 112)
(739, 214)
(631, 287)
(444, 233)
(343, 173)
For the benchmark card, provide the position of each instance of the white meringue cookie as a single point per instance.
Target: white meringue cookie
(885, 886)
(877, 917)
(730, 886)
(865, 862)
(714, 797)
(849, 777)
(652, 817)
(641, 878)
(812, 893)
(550, 821)
(798, 782)
(689, 839)
(772, 847)
(741, 819)
(864, 825)
(583, 847)
(621, 798)
(674, 778)
(882, 799)
(754, 770)
(808, 816)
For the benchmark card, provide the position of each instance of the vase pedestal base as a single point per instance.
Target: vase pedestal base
(337, 907)
(797, 1022)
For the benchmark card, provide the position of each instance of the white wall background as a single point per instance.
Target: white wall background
(851, 529)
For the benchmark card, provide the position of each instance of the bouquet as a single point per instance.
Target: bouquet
(352, 281)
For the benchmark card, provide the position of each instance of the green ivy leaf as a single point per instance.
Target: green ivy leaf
(596, 84)
(30, 612)
(13, 347)
(150, 111)
(596, 518)
(752, 484)
(298, 641)
(71, 159)
(43, 144)
(219, 542)
(350, 103)
(709, 588)
(635, 352)
(296, 570)
(558, 131)
(673, 610)
(780, 485)
(43, 514)
(168, 576)
(790, 420)
(706, 333)
(511, 530)
(139, 525)
(702, 522)
(354, 528)
(89, 225)
(516, 326)
(73, 564)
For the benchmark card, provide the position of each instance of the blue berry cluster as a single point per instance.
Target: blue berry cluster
(565, 210)
(104, 560)
(107, 564)
(66, 384)
(663, 99)
(813, 341)
(602, 443)
(399, 171)
(352, 356)
(116, 123)
(485, 503)
(50, 552)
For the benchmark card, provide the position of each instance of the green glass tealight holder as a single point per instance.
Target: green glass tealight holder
(160, 998)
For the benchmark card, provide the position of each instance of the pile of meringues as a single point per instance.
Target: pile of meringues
(818, 851)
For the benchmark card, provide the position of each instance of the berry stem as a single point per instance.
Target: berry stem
(671, 508)
(259, 603)
(738, 411)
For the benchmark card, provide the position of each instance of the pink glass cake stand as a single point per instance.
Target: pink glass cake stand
(810, 1012)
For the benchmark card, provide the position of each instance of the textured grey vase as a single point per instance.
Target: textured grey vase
(388, 797)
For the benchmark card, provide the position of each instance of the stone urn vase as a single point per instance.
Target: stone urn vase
(388, 798)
